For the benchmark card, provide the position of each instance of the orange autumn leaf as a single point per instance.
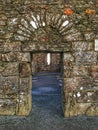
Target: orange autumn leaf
(68, 11)
(90, 11)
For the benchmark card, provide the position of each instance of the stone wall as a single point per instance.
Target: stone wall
(27, 26)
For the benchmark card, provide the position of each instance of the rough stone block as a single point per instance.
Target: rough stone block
(1, 68)
(13, 46)
(7, 107)
(2, 30)
(93, 110)
(85, 83)
(9, 86)
(25, 85)
(14, 56)
(85, 58)
(95, 82)
(94, 71)
(78, 84)
(2, 23)
(29, 46)
(87, 96)
(25, 69)
(81, 103)
(20, 38)
(24, 104)
(81, 71)
(68, 69)
(1, 46)
(82, 46)
(70, 85)
(73, 37)
(68, 57)
(10, 69)
(74, 109)
(0, 57)
(89, 36)
(2, 16)
(46, 2)
(9, 56)
(1, 89)
(23, 57)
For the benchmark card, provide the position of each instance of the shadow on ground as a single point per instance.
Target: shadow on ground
(46, 114)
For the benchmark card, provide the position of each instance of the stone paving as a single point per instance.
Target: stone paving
(47, 113)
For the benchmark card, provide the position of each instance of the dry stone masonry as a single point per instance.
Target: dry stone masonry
(68, 27)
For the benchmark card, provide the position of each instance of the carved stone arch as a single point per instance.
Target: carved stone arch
(49, 29)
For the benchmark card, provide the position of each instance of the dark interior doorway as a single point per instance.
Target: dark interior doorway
(47, 62)
(47, 80)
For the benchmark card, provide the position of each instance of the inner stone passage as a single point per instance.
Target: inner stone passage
(47, 62)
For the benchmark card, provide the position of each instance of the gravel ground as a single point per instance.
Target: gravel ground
(47, 114)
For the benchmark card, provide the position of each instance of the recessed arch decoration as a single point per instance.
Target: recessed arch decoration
(50, 29)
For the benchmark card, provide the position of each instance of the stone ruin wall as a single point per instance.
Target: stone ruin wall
(49, 32)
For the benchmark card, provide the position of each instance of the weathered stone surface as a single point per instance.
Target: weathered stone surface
(25, 85)
(13, 46)
(24, 104)
(33, 46)
(80, 109)
(20, 38)
(85, 83)
(94, 71)
(0, 57)
(73, 37)
(25, 69)
(87, 96)
(3, 30)
(2, 16)
(1, 46)
(71, 84)
(46, 2)
(24, 57)
(7, 107)
(93, 110)
(81, 71)
(29, 46)
(10, 69)
(85, 58)
(1, 67)
(89, 36)
(68, 57)
(9, 57)
(14, 56)
(1, 89)
(68, 69)
(2, 23)
(82, 46)
(95, 83)
(10, 86)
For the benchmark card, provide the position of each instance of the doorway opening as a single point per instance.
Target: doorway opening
(43, 62)
(47, 80)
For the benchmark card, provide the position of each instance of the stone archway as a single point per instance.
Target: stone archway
(44, 28)
(48, 32)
